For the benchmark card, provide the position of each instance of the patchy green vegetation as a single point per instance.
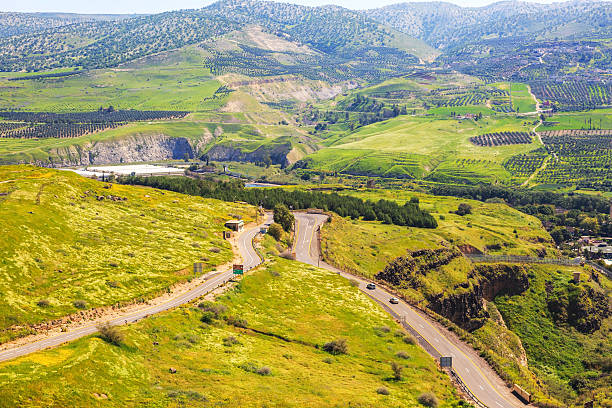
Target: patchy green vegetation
(69, 239)
(285, 309)
(535, 323)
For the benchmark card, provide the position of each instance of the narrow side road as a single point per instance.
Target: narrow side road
(473, 371)
(250, 260)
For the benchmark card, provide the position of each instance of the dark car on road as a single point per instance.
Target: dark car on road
(371, 286)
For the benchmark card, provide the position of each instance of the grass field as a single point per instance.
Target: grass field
(217, 363)
(522, 101)
(592, 119)
(61, 244)
(413, 147)
(365, 247)
(171, 81)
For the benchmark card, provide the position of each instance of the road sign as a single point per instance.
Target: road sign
(197, 267)
(446, 361)
(238, 269)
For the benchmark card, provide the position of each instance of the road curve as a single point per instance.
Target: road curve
(487, 388)
(250, 260)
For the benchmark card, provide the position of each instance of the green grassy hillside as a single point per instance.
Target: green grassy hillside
(537, 328)
(63, 244)
(219, 364)
(414, 147)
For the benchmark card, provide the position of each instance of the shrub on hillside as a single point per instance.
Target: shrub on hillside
(335, 347)
(428, 399)
(80, 304)
(382, 391)
(464, 209)
(43, 303)
(275, 231)
(110, 334)
(397, 371)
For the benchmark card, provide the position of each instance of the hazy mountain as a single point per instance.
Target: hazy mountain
(443, 24)
(23, 23)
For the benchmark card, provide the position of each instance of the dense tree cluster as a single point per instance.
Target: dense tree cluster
(45, 76)
(55, 130)
(583, 157)
(502, 138)
(574, 95)
(389, 212)
(522, 197)
(102, 115)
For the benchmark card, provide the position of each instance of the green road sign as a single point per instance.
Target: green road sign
(238, 269)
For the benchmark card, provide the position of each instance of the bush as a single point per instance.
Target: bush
(464, 209)
(275, 231)
(207, 317)
(215, 250)
(354, 283)
(287, 255)
(428, 399)
(335, 347)
(230, 341)
(236, 321)
(408, 339)
(80, 304)
(216, 310)
(110, 334)
(382, 391)
(43, 303)
(397, 371)
(264, 371)
(403, 354)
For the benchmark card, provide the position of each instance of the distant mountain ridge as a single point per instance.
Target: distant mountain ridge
(442, 24)
(14, 23)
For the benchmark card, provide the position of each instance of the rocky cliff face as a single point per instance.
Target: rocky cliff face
(467, 308)
(134, 148)
(463, 304)
(276, 153)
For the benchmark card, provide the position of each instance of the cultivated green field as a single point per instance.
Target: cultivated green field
(592, 119)
(171, 81)
(414, 147)
(62, 244)
(522, 101)
(217, 363)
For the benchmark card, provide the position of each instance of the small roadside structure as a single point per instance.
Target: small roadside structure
(235, 225)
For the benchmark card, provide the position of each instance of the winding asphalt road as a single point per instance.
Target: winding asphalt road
(487, 388)
(250, 260)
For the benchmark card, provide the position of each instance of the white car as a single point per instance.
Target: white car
(394, 300)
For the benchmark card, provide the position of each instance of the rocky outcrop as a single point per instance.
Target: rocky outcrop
(579, 306)
(275, 153)
(405, 270)
(466, 307)
(464, 304)
(134, 148)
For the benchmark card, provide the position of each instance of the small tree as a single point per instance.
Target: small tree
(464, 209)
(110, 334)
(275, 231)
(397, 371)
(335, 347)
(428, 399)
(283, 216)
